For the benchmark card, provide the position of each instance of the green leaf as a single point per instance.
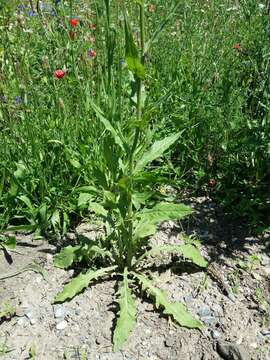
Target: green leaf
(127, 314)
(156, 150)
(76, 285)
(163, 212)
(188, 251)
(176, 310)
(9, 242)
(144, 229)
(132, 55)
(108, 126)
(98, 209)
(84, 199)
(66, 257)
(21, 171)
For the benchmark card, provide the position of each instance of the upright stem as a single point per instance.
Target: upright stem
(136, 137)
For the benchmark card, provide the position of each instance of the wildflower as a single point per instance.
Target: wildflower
(212, 183)
(92, 53)
(73, 22)
(151, 8)
(93, 26)
(59, 74)
(18, 100)
(32, 13)
(237, 46)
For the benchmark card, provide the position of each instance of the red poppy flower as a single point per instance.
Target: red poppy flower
(92, 53)
(73, 22)
(212, 183)
(59, 74)
(237, 46)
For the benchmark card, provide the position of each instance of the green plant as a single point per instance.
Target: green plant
(122, 197)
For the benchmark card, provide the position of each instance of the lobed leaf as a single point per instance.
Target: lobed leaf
(127, 314)
(76, 285)
(176, 310)
(66, 257)
(188, 251)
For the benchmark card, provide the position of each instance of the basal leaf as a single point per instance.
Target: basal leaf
(76, 285)
(176, 310)
(156, 150)
(163, 212)
(126, 316)
(187, 251)
(66, 257)
(9, 242)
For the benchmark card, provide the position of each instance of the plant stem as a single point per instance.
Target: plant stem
(136, 138)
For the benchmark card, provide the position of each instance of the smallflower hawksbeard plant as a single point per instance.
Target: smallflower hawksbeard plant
(121, 194)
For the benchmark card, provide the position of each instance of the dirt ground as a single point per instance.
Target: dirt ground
(82, 328)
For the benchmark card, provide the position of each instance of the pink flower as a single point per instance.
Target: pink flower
(237, 46)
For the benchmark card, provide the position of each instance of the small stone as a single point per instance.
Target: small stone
(231, 351)
(215, 334)
(208, 320)
(61, 325)
(169, 342)
(77, 312)
(21, 322)
(59, 312)
(29, 314)
(33, 321)
(188, 299)
(204, 312)
(253, 345)
(265, 332)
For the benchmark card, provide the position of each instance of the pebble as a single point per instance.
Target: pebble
(21, 322)
(169, 342)
(231, 351)
(59, 312)
(204, 312)
(215, 334)
(33, 321)
(208, 320)
(61, 325)
(265, 332)
(29, 314)
(77, 312)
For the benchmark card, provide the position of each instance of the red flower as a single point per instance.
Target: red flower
(212, 183)
(73, 22)
(92, 53)
(93, 26)
(59, 74)
(237, 46)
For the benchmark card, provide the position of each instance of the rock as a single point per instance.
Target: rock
(59, 312)
(215, 334)
(204, 312)
(231, 351)
(29, 314)
(33, 321)
(77, 312)
(265, 332)
(208, 320)
(169, 342)
(21, 322)
(61, 325)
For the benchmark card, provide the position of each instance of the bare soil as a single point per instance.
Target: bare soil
(83, 326)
